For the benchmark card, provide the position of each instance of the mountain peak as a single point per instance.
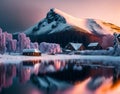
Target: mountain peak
(62, 28)
(57, 20)
(53, 16)
(52, 9)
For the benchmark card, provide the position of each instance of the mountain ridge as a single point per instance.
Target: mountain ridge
(89, 25)
(58, 23)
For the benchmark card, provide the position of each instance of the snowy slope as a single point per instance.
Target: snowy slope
(52, 23)
(90, 25)
(57, 21)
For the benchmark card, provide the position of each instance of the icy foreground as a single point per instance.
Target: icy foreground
(84, 58)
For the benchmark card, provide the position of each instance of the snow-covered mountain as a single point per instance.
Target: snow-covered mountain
(56, 21)
(59, 23)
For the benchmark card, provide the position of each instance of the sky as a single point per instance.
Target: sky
(19, 15)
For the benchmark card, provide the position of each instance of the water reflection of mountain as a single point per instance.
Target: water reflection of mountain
(74, 70)
(54, 74)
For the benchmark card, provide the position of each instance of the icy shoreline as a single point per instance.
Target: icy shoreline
(88, 58)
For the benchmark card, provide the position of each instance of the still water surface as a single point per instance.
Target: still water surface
(53, 77)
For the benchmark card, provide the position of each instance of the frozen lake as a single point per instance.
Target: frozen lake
(56, 74)
(87, 58)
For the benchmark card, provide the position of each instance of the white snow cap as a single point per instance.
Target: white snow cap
(89, 25)
(31, 50)
(76, 45)
(93, 44)
(57, 20)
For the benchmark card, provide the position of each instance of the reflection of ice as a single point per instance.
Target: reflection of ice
(67, 70)
(23, 74)
(10, 71)
(2, 75)
(57, 64)
(51, 66)
(26, 68)
(77, 67)
(36, 68)
(46, 67)
(49, 85)
(7, 73)
(10, 74)
(33, 65)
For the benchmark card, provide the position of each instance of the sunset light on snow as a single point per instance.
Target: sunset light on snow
(59, 47)
(25, 13)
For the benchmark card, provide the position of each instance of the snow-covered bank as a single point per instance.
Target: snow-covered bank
(87, 58)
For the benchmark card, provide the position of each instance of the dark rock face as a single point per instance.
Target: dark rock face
(63, 38)
(52, 16)
(92, 25)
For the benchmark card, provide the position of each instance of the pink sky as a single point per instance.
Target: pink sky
(18, 15)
